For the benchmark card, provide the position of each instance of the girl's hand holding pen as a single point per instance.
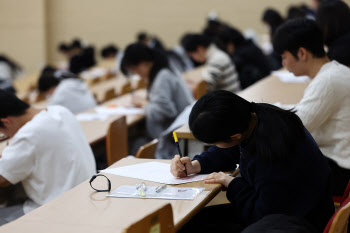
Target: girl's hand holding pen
(179, 164)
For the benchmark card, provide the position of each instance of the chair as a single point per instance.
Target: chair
(340, 219)
(338, 200)
(148, 150)
(117, 141)
(141, 84)
(109, 94)
(160, 221)
(200, 89)
(126, 88)
(39, 97)
(95, 81)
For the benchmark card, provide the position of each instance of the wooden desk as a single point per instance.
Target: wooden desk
(95, 131)
(84, 210)
(270, 90)
(193, 77)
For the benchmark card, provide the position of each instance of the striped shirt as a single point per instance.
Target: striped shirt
(220, 73)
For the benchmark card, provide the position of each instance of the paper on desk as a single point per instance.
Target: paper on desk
(153, 171)
(284, 106)
(91, 117)
(120, 110)
(288, 77)
(174, 193)
(94, 73)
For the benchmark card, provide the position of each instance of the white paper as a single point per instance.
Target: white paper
(173, 193)
(288, 77)
(285, 106)
(91, 117)
(153, 171)
(120, 110)
(94, 73)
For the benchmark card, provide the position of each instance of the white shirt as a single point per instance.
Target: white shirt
(73, 94)
(325, 111)
(49, 154)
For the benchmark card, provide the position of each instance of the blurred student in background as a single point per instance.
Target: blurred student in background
(65, 89)
(168, 94)
(219, 72)
(9, 71)
(333, 17)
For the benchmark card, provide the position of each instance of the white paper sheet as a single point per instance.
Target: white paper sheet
(288, 77)
(91, 117)
(119, 110)
(153, 171)
(172, 193)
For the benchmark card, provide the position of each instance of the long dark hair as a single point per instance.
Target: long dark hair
(333, 18)
(220, 114)
(136, 53)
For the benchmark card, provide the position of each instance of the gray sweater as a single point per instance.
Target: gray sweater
(168, 97)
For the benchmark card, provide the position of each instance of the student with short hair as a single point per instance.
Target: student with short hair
(325, 106)
(219, 73)
(282, 170)
(168, 94)
(65, 89)
(48, 153)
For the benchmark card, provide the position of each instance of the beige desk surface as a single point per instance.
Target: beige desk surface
(193, 77)
(97, 130)
(270, 90)
(83, 210)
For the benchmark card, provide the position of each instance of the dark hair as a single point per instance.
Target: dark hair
(273, 19)
(47, 79)
(141, 36)
(192, 41)
(231, 35)
(220, 114)
(64, 47)
(10, 105)
(296, 12)
(108, 51)
(297, 33)
(333, 18)
(137, 52)
(76, 44)
(13, 65)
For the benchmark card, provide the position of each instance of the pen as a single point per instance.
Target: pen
(178, 148)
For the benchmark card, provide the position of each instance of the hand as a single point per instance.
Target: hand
(218, 178)
(178, 164)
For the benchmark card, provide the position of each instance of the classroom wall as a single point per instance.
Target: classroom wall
(31, 30)
(22, 32)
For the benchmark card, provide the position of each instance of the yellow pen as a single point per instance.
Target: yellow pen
(178, 147)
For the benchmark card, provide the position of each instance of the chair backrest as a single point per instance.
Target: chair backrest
(109, 94)
(126, 88)
(117, 141)
(148, 150)
(340, 219)
(39, 97)
(340, 199)
(160, 221)
(141, 84)
(200, 89)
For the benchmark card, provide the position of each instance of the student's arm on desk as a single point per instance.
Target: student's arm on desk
(4, 182)
(214, 160)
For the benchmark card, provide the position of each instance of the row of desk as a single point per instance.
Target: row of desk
(83, 210)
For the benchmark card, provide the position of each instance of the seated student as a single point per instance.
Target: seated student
(152, 42)
(9, 71)
(251, 64)
(66, 89)
(168, 94)
(109, 52)
(325, 106)
(220, 73)
(48, 153)
(272, 19)
(282, 169)
(333, 17)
